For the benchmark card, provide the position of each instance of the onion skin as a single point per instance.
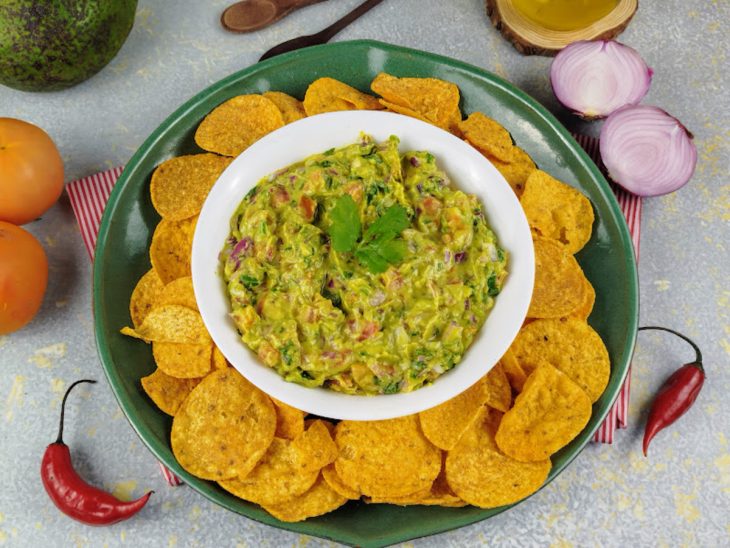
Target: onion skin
(595, 78)
(647, 151)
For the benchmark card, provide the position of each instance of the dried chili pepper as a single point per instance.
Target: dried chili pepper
(677, 394)
(71, 494)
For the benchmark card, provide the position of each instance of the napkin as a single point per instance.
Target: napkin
(89, 196)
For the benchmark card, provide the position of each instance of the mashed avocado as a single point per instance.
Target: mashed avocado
(389, 315)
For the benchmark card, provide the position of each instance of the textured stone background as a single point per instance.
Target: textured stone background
(611, 495)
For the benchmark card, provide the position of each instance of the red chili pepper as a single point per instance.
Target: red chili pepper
(71, 494)
(677, 394)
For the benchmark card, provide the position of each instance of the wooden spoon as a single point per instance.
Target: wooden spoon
(250, 15)
(323, 36)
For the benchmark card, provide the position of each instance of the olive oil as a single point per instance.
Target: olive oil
(565, 15)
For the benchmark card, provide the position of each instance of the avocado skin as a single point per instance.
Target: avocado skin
(49, 45)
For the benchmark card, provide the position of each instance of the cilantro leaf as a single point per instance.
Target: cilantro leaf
(345, 228)
(388, 225)
(380, 252)
(378, 247)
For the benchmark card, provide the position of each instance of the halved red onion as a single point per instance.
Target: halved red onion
(647, 151)
(594, 78)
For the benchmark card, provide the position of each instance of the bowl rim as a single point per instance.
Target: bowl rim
(468, 170)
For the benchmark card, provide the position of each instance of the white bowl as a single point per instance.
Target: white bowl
(469, 171)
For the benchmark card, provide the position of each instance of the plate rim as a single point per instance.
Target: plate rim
(131, 169)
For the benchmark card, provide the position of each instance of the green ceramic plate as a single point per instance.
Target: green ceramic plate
(129, 220)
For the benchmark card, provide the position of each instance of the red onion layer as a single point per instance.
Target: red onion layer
(594, 78)
(647, 151)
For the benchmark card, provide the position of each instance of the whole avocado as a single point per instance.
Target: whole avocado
(54, 44)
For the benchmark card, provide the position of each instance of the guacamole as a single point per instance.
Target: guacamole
(361, 270)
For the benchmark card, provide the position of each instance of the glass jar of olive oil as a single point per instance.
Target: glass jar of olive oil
(565, 15)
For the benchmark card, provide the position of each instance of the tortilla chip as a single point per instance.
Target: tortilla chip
(167, 392)
(223, 428)
(440, 494)
(488, 136)
(329, 473)
(278, 477)
(444, 424)
(179, 291)
(480, 474)
(183, 361)
(236, 124)
(171, 247)
(429, 99)
(584, 309)
(374, 460)
(557, 211)
(320, 499)
(171, 323)
(499, 392)
(329, 95)
(559, 281)
(180, 185)
(291, 109)
(218, 359)
(144, 296)
(316, 445)
(517, 170)
(515, 374)
(289, 421)
(550, 411)
(571, 346)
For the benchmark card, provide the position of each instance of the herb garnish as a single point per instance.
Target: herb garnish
(378, 247)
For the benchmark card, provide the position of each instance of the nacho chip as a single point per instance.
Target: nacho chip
(288, 469)
(517, 170)
(557, 211)
(180, 185)
(584, 309)
(144, 296)
(167, 392)
(499, 392)
(171, 323)
(515, 374)
(571, 346)
(223, 428)
(550, 411)
(291, 109)
(320, 499)
(316, 445)
(329, 473)
(488, 136)
(330, 426)
(218, 359)
(289, 421)
(429, 99)
(374, 460)
(278, 477)
(171, 247)
(559, 281)
(440, 494)
(329, 95)
(183, 361)
(444, 424)
(179, 291)
(236, 124)
(480, 474)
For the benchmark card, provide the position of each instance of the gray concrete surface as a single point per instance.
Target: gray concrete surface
(610, 496)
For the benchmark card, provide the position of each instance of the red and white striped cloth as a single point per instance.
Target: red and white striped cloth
(90, 194)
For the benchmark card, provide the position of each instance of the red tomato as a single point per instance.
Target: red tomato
(31, 171)
(23, 277)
